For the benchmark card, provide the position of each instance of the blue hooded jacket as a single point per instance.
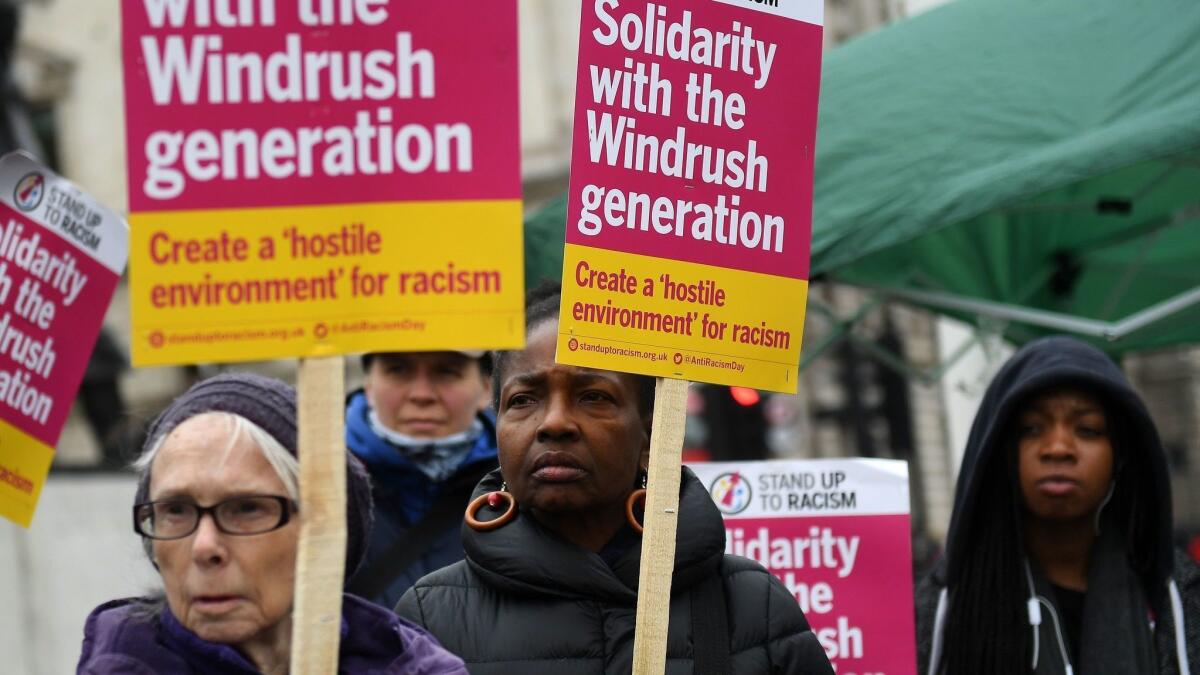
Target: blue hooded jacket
(403, 495)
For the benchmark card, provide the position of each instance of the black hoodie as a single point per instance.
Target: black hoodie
(1140, 509)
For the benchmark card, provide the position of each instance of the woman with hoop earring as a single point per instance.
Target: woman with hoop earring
(553, 541)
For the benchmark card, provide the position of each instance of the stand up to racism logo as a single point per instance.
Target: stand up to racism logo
(731, 492)
(27, 195)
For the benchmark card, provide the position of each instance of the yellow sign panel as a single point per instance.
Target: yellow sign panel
(723, 325)
(247, 284)
(24, 463)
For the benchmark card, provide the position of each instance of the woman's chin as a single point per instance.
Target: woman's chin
(565, 500)
(228, 630)
(558, 499)
(1062, 513)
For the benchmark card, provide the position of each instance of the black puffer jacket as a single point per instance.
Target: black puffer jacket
(527, 601)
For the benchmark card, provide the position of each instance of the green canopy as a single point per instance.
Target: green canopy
(544, 233)
(1032, 161)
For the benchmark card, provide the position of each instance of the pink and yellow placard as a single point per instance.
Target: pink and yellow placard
(836, 533)
(61, 255)
(689, 215)
(317, 177)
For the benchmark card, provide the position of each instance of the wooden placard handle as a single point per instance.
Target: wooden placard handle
(658, 538)
(321, 557)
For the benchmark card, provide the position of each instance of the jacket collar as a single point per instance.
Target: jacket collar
(144, 629)
(381, 456)
(523, 557)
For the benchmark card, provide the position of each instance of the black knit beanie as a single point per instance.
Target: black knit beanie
(270, 404)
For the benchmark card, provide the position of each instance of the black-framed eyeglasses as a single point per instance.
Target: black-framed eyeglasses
(246, 515)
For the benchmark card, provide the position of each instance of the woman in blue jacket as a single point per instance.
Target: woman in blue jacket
(422, 424)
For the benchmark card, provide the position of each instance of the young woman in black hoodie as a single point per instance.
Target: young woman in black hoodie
(1059, 558)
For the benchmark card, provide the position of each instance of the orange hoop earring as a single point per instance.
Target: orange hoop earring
(636, 496)
(492, 499)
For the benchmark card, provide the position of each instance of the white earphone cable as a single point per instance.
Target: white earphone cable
(1180, 634)
(1035, 621)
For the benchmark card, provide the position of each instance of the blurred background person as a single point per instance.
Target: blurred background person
(553, 541)
(422, 424)
(117, 433)
(1060, 556)
(217, 508)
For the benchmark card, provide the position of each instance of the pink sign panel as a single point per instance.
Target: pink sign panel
(61, 255)
(836, 533)
(265, 103)
(695, 124)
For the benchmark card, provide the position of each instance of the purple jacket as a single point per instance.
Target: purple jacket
(122, 637)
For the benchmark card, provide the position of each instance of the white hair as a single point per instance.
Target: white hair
(285, 464)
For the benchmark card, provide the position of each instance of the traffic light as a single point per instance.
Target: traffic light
(737, 428)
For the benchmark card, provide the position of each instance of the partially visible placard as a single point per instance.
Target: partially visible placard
(316, 178)
(836, 532)
(690, 208)
(61, 255)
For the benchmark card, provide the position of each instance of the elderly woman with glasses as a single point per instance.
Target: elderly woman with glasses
(217, 508)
